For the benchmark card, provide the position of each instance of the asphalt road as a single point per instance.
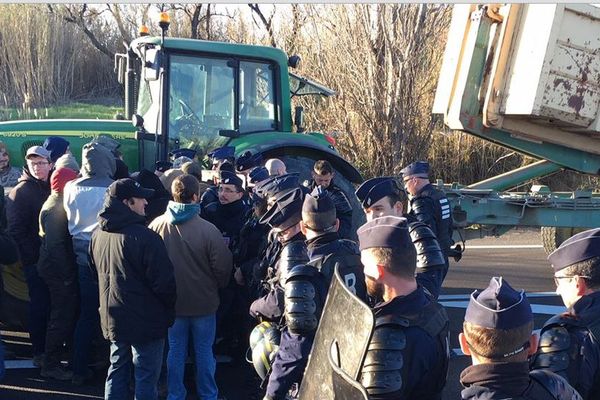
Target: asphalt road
(517, 257)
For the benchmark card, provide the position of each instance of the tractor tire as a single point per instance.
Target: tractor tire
(304, 165)
(553, 237)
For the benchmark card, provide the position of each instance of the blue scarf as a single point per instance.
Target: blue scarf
(179, 212)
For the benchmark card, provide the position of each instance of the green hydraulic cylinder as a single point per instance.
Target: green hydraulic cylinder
(516, 177)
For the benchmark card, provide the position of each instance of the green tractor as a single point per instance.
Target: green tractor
(183, 93)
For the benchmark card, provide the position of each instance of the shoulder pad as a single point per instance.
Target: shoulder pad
(419, 230)
(562, 319)
(420, 204)
(295, 250)
(349, 245)
(553, 349)
(432, 318)
(381, 372)
(558, 386)
(302, 271)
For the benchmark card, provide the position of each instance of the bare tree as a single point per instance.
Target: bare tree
(267, 22)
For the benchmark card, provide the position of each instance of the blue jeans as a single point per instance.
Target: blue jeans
(147, 360)
(88, 323)
(202, 330)
(39, 308)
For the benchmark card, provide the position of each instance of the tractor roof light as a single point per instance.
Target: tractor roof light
(144, 31)
(164, 21)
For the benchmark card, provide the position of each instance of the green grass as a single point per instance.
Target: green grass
(68, 111)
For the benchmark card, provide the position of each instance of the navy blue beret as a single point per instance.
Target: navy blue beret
(277, 184)
(318, 210)
(287, 210)
(222, 153)
(258, 174)
(230, 178)
(189, 153)
(499, 306)
(577, 248)
(388, 231)
(375, 189)
(248, 161)
(418, 168)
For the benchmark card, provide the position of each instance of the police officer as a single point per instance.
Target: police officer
(429, 205)
(304, 290)
(383, 196)
(323, 175)
(570, 342)
(284, 217)
(497, 334)
(325, 248)
(407, 356)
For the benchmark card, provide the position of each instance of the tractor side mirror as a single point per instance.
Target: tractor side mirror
(152, 64)
(120, 67)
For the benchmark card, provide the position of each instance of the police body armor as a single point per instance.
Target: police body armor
(429, 252)
(559, 349)
(552, 383)
(292, 253)
(304, 299)
(384, 369)
(442, 214)
(349, 265)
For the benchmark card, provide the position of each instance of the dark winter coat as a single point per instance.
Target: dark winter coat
(22, 212)
(135, 276)
(57, 258)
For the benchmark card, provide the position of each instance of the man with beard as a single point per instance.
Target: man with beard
(9, 175)
(383, 196)
(408, 354)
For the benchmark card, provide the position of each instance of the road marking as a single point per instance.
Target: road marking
(536, 308)
(504, 246)
(468, 296)
(44, 391)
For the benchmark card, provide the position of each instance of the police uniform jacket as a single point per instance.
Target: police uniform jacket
(343, 209)
(229, 218)
(504, 381)
(432, 207)
(421, 374)
(583, 354)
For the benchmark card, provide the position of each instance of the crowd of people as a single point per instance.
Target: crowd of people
(135, 272)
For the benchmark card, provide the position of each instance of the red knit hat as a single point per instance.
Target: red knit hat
(60, 177)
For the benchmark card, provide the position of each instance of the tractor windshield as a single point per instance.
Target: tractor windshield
(207, 95)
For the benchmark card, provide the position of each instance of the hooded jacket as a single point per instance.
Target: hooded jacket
(83, 197)
(135, 276)
(201, 259)
(22, 211)
(57, 259)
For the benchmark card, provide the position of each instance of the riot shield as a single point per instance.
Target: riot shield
(341, 341)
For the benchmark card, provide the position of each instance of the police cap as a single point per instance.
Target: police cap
(318, 210)
(577, 248)
(189, 153)
(375, 189)
(230, 178)
(222, 153)
(499, 306)
(248, 161)
(278, 184)
(258, 174)
(388, 231)
(418, 168)
(287, 210)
